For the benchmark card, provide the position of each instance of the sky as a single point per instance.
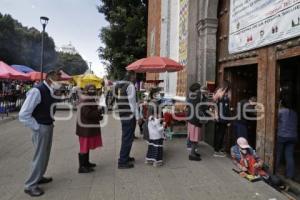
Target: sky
(75, 21)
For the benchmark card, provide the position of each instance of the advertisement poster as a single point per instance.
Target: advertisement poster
(183, 40)
(257, 23)
(183, 31)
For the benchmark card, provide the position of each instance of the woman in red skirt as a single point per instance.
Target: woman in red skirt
(88, 128)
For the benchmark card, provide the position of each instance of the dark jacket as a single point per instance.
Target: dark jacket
(223, 109)
(42, 112)
(194, 98)
(90, 116)
(122, 99)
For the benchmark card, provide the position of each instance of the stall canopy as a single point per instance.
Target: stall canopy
(36, 76)
(7, 72)
(64, 76)
(86, 79)
(22, 68)
(154, 64)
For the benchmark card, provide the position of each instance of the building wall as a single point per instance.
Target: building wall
(154, 32)
(174, 44)
(170, 42)
(183, 47)
(266, 59)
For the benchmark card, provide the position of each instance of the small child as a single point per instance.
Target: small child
(156, 138)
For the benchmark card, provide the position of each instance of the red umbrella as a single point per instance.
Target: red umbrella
(64, 76)
(7, 72)
(155, 64)
(36, 76)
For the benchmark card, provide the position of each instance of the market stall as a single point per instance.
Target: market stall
(36, 76)
(12, 88)
(86, 79)
(175, 120)
(22, 68)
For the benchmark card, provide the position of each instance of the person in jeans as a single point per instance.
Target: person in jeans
(222, 98)
(287, 136)
(37, 114)
(129, 115)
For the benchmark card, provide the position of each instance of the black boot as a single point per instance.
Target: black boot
(90, 165)
(194, 156)
(83, 168)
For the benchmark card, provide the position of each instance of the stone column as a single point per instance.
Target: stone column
(207, 29)
(202, 46)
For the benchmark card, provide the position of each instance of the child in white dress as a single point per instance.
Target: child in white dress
(155, 143)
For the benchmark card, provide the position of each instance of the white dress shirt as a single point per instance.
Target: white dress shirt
(33, 98)
(131, 92)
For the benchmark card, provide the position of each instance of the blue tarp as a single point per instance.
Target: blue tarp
(22, 68)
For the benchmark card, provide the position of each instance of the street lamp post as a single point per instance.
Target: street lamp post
(90, 66)
(44, 22)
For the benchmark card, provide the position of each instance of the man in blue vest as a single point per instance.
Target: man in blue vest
(129, 114)
(37, 114)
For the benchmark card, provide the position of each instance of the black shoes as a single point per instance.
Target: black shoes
(34, 192)
(45, 180)
(84, 165)
(91, 165)
(127, 165)
(194, 158)
(131, 159)
(84, 170)
(197, 154)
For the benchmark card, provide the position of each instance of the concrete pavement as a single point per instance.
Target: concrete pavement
(178, 179)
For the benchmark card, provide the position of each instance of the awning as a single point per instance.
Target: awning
(22, 68)
(154, 64)
(7, 72)
(64, 76)
(36, 76)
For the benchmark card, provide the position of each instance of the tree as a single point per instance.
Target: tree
(125, 38)
(22, 45)
(72, 64)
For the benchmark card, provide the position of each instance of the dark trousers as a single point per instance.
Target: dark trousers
(286, 146)
(220, 131)
(240, 129)
(128, 129)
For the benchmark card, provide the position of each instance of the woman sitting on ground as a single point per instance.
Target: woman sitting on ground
(245, 158)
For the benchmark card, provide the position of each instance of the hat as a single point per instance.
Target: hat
(243, 143)
(194, 87)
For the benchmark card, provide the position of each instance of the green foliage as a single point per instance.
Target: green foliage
(125, 38)
(22, 45)
(72, 64)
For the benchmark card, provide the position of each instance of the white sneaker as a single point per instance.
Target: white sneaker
(157, 164)
(149, 162)
(219, 154)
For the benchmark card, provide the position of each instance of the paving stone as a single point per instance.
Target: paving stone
(178, 179)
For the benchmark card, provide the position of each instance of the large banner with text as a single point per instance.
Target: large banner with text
(257, 23)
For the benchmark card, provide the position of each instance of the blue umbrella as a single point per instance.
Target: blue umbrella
(22, 68)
